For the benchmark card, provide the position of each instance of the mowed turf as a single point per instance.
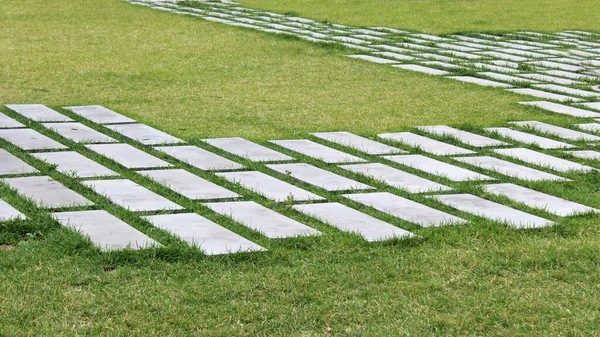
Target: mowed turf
(446, 16)
(197, 79)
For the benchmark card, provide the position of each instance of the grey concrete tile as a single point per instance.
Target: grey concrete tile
(132, 196)
(75, 164)
(535, 199)
(506, 78)
(200, 158)
(9, 123)
(586, 154)
(495, 68)
(480, 81)
(144, 134)
(568, 74)
(356, 142)
(247, 149)
(38, 113)
(542, 159)
(46, 192)
(421, 69)
(198, 231)
(189, 185)
(394, 56)
(463, 136)
(318, 177)
(259, 218)
(105, 230)
(563, 109)
(510, 169)
(592, 127)
(317, 151)
(491, 210)
(557, 131)
(437, 168)
(527, 138)
(505, 56)
(347, 219)
(268, 186)
(567, 90)
(8, 213)
(557, 65)
(79, 133)
(128, 156)
(9, 164)
(425, 144)
(544, 94)
(99, 114)
(551, 79)
(405, 209)
(28, 139)
(592, 105)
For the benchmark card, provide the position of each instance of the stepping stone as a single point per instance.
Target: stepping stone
(495, 68)
(551, 79)
(456, 47)
(510, 169)
(28, 139)
(144, 134)
(480, 81)
(562, 109)
(586, 154)
(527, 138)
(491, 210)
(79, 133)
(541, 159)
(189, 185)
(535, 199)
(8, 213)
(405, 209)
(203, 233)
(247, 149)
(437, 168)
(132, 196)
(74, 164)
(128, 156)
(443, 65)
(439, 58)
(506, 78)
(350, 220)
(593, 105)
(99, 114)
(421, 69)
(200, 158)
(396, 178)
(504, 56)
(259, 218)
(268, 186)
(393, 49)
(9, 123)
(395, 56)
(593, 127)
(105, 230)
(463, 136)
(318, 177)
(544, 94)
(38, 113)
(46, 192)
(557, 65)
(568, 74)
(358, 143)
(10, 164)
(567, 90)
(317, 151)
(425, 144)
(557, 131)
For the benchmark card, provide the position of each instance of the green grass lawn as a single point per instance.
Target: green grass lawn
(197, 79)
(446, 16)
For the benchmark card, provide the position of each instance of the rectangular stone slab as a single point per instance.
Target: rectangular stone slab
(132, 196)
(28, 139)
(357, 142)
(74, 164)
(99, 114)
(586, 154)
(247, 149)
(567, 90)
(592, 127)
(46, 192)
(9, 164)
(527, 138)
(350, 220)
(38, 113)
(128, 156)
(592, 105)
(425, 144)
(396, 178)
(9, 123)
(203, 233)
(509, 169)
(421, 69)
(318, 177)
(79, 133)
(491, 210)
(189, 185)
(544, 94)
(105, 230)
(480, 81)
(535, 199)
(144, 134)
(557, 131)
(268, 186)
(506, 78)
(317, 151)
(463, 136)
(437, 168)
(373, 59)
(542, 159)
(568, 74)
(200, 158)
(405, 209)
(259, 218)
(8, 213)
